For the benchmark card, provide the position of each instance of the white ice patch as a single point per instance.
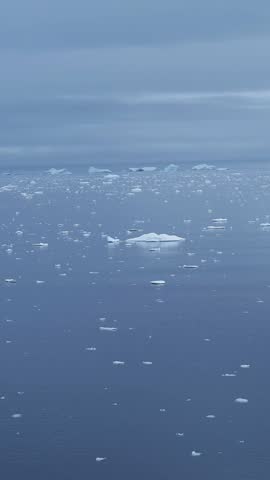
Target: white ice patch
(157, 282)
(195, 454)
(241, 400)
(203, 166)
(112, 240)
(155, 237)
(98, 170)
(108, 329)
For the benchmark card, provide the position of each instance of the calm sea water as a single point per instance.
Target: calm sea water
(67, 411)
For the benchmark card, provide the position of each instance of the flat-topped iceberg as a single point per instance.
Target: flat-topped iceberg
(155, 237)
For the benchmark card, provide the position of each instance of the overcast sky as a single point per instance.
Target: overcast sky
(95, 81)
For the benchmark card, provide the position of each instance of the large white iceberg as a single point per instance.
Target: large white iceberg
(155, 237)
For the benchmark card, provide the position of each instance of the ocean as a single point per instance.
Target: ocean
(105, 375)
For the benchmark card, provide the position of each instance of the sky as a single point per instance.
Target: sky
(103, 81)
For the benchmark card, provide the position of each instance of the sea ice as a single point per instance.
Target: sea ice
(98, 170)
(241, 400)
(112, 240)
(155, 237)
(203, 166)
(108, 329)
(195, 454)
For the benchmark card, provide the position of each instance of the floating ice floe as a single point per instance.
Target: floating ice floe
(220, 220)
(241, 400)
(112, 240)
(155, 237)
(195, 454)
(100, 459)
(59, 171)
(147, 363)
(118, 362)
(136, 190)
(229, 375)
(98, 170)
(16, 415)
(191, 267)
(179, 434)
(157, 282)
(10, 280)
(142, 169)
(244, 366)
(210, 417)
(112, 176)
(203, 166)
(91, 349)
(40, 245)
(171, 168)
(216, 227)
(108, 329)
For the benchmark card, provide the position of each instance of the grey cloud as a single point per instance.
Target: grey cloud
(36, 24)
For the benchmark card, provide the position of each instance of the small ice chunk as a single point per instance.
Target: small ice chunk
(195, 454)
(136, 190)
(179, 434)
(241, 400)
(244, 366)
(16, 415)
(91, 349)
(98, 170)
(215, 227)
(157, 282)
(210, 417)
(203, 166)
(100, 459)
(118, 362)
(112, 240)
(220, 220)
(190, 267)
(40, 244)
(171, 168)
(229, 375)
(147, 363)
(108, 329)
(55, 171)
(10, 280)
